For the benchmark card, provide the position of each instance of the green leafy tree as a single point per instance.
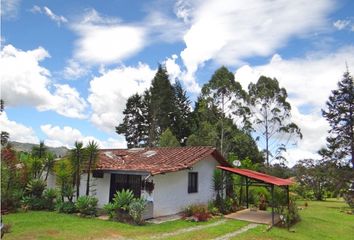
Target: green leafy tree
(167, 139)
(223, 92)
(135, 125)
(64, 175)
(77, 160)
(92, 150)
(340, 116)
(271, 113)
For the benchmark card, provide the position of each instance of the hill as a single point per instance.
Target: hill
(27, 147)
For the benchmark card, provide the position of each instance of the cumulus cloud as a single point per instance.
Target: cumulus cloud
(49, 13)
(173, 68)
(9, 9)
(18, 132)
(229, 31)
(25, 82)
(66, 136)
(74, 70)
(109, 92)
(309, 82)
(106, 40)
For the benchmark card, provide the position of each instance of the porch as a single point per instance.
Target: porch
(255, 216)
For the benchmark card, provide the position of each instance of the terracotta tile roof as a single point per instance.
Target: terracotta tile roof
(155, 160)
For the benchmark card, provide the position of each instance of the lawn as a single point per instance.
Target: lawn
(321, 220)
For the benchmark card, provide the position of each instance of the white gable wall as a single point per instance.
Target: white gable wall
(171, 195)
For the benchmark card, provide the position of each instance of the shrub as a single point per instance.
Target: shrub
(136, 210)
(197, 212)
(49, 196)
(33, 203)
(11, 199)
(213, 210)
(65, 207)
(87, 205)
(36, 187)
(123, 199)
(110, 209)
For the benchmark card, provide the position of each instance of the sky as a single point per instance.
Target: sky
(68, 67)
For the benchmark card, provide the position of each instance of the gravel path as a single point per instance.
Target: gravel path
(239, 231)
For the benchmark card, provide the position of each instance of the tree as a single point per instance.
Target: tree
(64, 174)
(76, 158)
(135, 124)
(40, 151)
(92, 150)
(4, 135)
(225, 93)
(161, 105)
(49, 164)
(340, 116)
(182, 123)
(271, 116)
(167, 139)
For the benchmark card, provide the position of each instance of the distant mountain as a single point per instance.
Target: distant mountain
(27, 147)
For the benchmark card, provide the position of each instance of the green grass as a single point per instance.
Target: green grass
(321, 220)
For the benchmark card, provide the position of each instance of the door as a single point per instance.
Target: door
(125, 181)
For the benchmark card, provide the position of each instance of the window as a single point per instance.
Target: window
(97, 174)
(192, 182)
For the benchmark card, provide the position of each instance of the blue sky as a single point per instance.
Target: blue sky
(67, 67)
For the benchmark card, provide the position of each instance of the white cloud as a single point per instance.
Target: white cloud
(9, 8)
(109, 92)
(25, 82)
(106, 40)
(66, 136)
(49, 13)
(309, 82)
(230, 31)
(341, 24)
(18, 132)
(74, 70)
(173, 68)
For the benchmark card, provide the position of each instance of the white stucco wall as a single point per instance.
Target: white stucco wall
(99, 187)
(171, 195)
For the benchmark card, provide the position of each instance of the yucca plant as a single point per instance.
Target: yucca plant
(36, 187)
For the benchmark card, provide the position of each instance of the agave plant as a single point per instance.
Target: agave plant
(36, 187)
(123, 199)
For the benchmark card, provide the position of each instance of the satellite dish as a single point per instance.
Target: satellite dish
(236, 163)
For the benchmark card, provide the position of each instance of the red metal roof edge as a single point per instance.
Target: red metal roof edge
(258, 176)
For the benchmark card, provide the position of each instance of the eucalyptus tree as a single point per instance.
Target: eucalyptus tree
(340, 116)
(271, 114)
(92, 150)
(223, 92)
(77, 160)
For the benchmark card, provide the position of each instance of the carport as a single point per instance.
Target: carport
(253, 178)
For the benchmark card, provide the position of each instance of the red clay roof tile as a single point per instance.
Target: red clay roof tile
(155, 160)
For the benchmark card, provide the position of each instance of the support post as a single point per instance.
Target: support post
(247, 191)
(272, 192)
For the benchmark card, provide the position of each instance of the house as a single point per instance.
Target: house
(169, 178)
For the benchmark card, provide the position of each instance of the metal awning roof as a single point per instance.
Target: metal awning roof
(258, 176)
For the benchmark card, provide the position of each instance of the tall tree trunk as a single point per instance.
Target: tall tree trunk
(267, 138)
(88, 176)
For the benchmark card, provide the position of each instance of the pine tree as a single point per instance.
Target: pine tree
(340, 116)
(135, 122)
(182, 122)
(161, 105)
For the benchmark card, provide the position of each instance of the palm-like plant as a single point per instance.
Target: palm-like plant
(92, 153)
(40, 150)
(77, 156)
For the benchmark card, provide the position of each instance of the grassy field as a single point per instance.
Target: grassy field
(321, 220)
